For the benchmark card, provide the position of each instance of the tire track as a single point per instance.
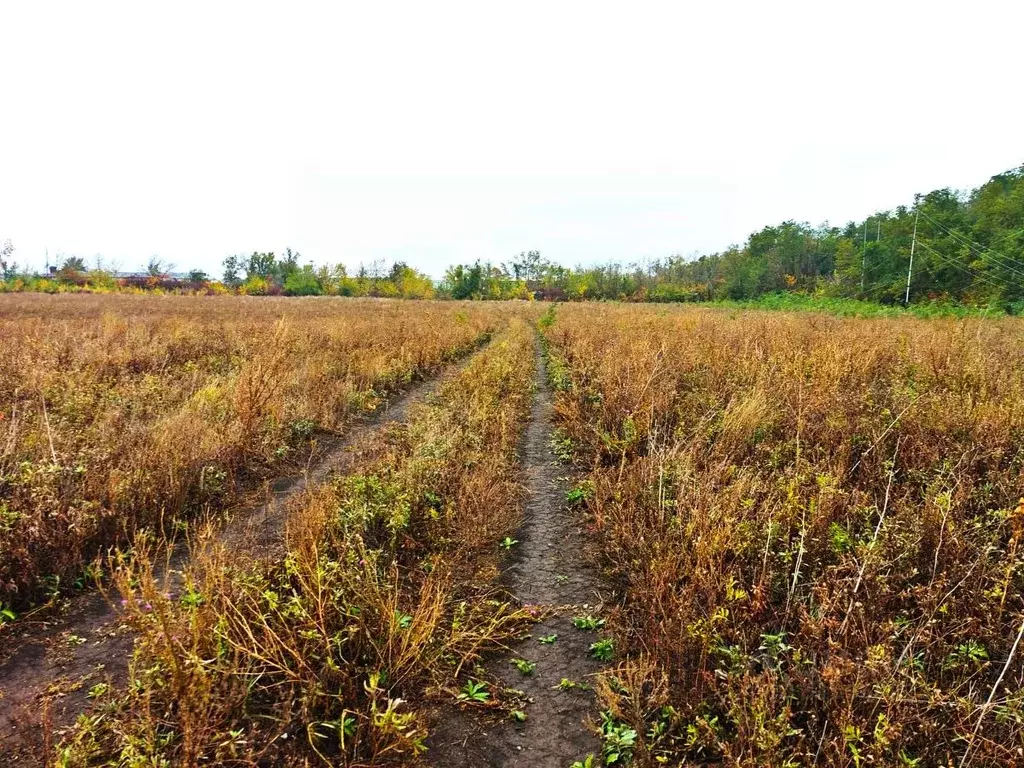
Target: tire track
(45, 680)
(548, 570)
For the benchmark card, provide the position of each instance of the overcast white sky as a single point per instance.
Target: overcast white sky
(442, 132)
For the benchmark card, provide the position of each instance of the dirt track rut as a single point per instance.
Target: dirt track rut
(52, 666)
(548, 569)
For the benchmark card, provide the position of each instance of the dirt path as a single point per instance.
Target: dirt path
(548, 570)
(46, 675)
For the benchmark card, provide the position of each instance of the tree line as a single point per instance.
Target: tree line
(967, 247)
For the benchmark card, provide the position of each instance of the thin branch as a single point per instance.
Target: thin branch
(46, 421)
(992, 695)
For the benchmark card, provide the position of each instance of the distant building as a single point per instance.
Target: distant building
(144, 274)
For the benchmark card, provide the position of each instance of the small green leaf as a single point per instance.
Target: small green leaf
(524, 666)
(602, 650)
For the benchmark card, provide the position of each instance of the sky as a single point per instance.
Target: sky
(442, 132)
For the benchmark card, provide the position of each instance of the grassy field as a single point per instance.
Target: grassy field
(123, 412)
(808, 526)
(384, 589)
(816, 527)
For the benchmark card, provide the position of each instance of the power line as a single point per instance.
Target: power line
(974, 275)
(963, 240)
(971, 244)
(1007, 235)
(1011, 265)
(950, 263)
(990, 261)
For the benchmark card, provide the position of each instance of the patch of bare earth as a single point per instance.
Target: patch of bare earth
(548, 570)
(49, 666)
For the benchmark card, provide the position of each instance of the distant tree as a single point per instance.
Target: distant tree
(302, 282)
(232, 268)
(7, 266)
(398, 270)
(333, 279)
(73, 264)
(156, 267)
(197, 276)
(260, 265)
(465, 281)
(288, 265)
(410, 284)
(529, 265)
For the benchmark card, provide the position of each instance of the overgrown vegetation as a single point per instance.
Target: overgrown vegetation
(383, 597)
(261, 273)
(968, 250)
(816, 524)
(118, 413)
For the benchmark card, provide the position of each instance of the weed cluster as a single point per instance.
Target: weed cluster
(381, 596)
(119, 413)
(816, 525)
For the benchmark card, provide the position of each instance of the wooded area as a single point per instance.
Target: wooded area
(968, 249)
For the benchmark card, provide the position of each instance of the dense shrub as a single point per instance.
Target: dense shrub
(118, 412)
(817, 527)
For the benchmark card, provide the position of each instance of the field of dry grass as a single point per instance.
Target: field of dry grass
(809, 527)
(383, 595)
(121, 412)
(816, 527)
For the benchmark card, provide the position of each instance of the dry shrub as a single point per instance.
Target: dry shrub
(325, 654)
(120, 412)
(813, 523)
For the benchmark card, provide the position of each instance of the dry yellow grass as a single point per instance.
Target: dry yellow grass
(812, 522)
(327, 653)
(118, 412)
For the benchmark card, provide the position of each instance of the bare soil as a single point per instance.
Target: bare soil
(547, 570)
(48, 667)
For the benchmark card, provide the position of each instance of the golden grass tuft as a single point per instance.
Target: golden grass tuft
(120, 413)
(812, 523)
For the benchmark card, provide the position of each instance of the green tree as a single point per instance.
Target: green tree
(232, 269)
(302, 282)
(7, 267)
(464, 281)
(288, 265)
(156, 267)
(260, 265)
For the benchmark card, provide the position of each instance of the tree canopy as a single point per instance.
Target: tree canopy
(969, 248)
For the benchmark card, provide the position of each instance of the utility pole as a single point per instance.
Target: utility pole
(913, 244)
(863, 256)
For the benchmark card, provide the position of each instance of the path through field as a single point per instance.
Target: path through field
(549, 571)
(49, 669)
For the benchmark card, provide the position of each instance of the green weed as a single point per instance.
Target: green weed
(603, 650)
(525, 667)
